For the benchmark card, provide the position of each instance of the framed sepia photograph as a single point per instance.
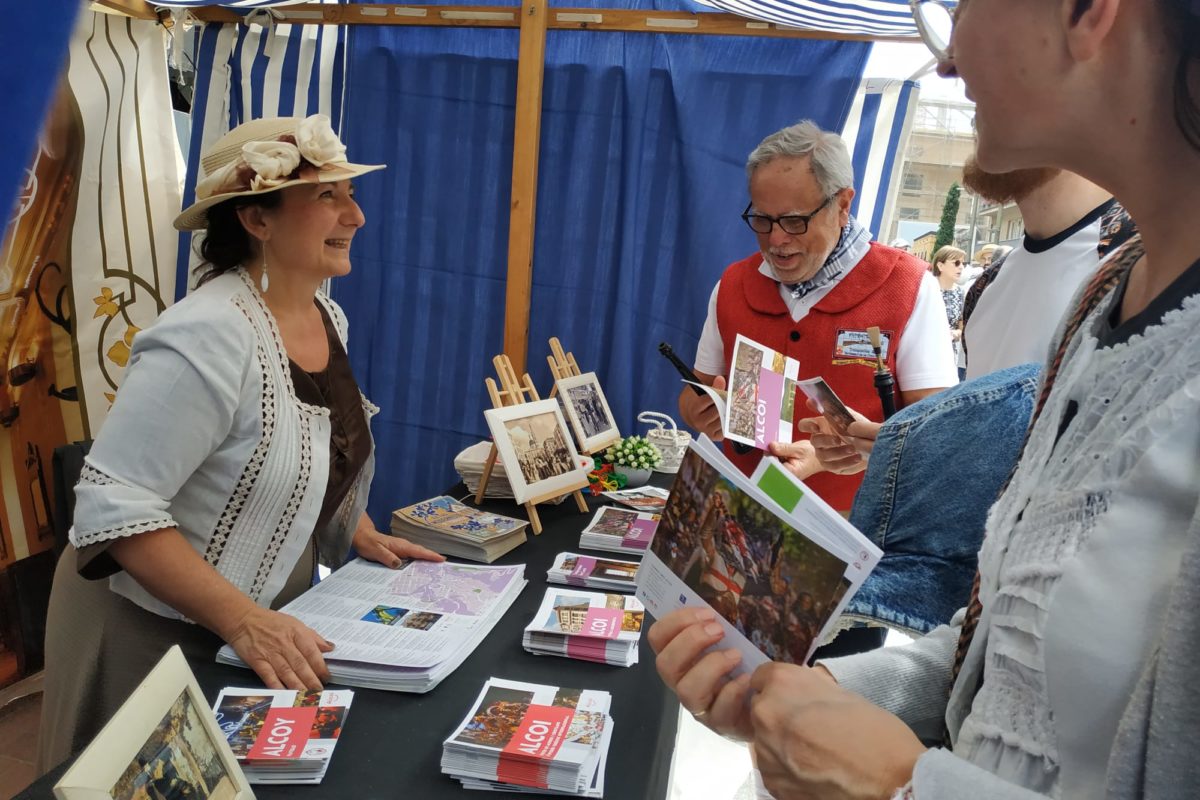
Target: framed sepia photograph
(163, 742)
(536, 450)
(588, 412)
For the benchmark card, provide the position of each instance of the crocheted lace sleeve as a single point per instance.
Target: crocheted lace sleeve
(177, 403)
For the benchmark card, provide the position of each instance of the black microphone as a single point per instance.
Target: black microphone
(686, 371)
(885, 384)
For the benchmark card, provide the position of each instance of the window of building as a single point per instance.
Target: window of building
(1015, 228)
(910, 213)
(914, 181)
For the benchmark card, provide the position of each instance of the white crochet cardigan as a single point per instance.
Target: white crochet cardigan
(207, 435)
(1087, 610)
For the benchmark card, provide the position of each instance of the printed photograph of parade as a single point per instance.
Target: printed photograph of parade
(765, 578)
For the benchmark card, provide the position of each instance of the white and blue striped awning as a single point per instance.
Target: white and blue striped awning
(871, 17)
(876, 131)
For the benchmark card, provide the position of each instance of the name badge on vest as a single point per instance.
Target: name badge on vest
(854, 347)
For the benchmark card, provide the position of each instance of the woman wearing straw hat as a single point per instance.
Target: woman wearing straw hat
(237, 452)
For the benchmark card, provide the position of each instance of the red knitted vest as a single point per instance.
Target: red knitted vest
(830, 341)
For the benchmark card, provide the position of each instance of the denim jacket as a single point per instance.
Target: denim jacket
(936, 468)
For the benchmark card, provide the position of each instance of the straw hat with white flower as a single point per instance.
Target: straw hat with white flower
(265, 155)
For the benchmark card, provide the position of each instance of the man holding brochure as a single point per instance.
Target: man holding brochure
(815, 286)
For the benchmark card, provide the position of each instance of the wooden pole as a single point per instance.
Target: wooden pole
(523, 208)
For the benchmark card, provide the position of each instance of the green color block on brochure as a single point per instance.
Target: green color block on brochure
(780, 488)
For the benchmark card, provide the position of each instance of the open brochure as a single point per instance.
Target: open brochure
(406, 628)
(282, 735)
(590, 626)
(774, 561)
(529, 735)
(758, 406)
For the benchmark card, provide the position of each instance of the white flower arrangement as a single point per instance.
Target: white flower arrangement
(633, 452)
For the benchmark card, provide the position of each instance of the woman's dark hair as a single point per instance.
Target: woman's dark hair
(1183, 22)
(226, 244)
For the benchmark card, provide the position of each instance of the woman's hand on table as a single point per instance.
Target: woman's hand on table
(700, 679)
(391, 551)
(286, 653)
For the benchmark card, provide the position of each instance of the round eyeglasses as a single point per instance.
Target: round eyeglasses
(935, 23)
(792, 224)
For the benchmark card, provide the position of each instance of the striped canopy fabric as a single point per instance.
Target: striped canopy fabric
(876, 131)
(872, 17)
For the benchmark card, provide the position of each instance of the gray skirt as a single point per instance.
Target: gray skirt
(99, 647)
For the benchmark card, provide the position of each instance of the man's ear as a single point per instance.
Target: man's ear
(254, 221)
(1087, 24)
(844, 200)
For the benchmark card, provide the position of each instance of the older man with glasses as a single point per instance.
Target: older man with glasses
(815, 286)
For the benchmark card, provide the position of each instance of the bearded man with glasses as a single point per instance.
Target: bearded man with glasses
(815, 286)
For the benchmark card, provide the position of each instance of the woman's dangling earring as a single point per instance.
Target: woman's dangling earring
(263, 281)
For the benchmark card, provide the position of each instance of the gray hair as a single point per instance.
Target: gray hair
(828, 157)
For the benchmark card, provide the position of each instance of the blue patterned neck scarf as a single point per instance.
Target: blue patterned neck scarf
(854, 243)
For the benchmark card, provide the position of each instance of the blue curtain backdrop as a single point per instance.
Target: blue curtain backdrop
(33, 53)
(641, 180)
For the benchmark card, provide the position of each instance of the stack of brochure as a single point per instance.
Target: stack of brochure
(282, 735)
(402, 629)
(589, 626)
(526, 736)
(774, 561)
(619, 531)
(451, 528)
(643, 498)
(469, 465)
(574, 569)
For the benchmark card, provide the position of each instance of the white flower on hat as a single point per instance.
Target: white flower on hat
(272, 163)
(215, 183)
(317, 141)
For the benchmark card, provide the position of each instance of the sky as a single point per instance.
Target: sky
(895, 60)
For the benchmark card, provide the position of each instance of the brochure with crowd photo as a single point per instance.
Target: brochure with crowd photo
(521, 734)
(762, 395)
(618, 530)
(828, 403)
(774, 561)
(590, 626)
(282, 735)
(590, 572)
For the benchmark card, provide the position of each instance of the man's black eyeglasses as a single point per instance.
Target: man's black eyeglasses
(793, 224)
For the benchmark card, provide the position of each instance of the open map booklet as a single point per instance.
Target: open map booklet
(402, 629)
(774, 561)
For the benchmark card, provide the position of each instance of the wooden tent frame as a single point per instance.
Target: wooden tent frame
(534, 18)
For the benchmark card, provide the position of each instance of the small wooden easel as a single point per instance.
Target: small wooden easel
(512, 392)
(562, 365)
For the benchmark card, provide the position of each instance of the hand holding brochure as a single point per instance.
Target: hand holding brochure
(774, 561)
(828, 403)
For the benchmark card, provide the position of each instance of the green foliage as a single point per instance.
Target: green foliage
(945, 234)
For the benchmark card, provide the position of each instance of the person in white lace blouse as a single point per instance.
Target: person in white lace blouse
(1074, 671)
(237, 451)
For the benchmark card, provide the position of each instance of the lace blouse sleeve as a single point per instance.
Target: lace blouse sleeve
(175, 406)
